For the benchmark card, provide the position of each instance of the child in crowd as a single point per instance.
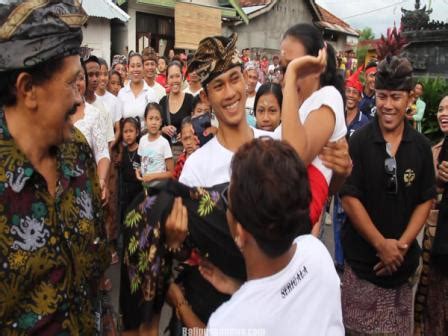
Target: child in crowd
(115, 83)
(129, 187)
(154, 150)
(267, 106)
(190, 143)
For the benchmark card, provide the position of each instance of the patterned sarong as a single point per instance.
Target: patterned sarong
(372, 310)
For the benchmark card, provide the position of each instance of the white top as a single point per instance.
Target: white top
(159, 91)
(250, 105)
(106, 120)
(194, 94)
(210, 164)
(132, 106)
(112, 105)
(304, 298)
(153, 154)
(90, 126)
(326, 96)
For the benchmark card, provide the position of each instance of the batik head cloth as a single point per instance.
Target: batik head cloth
(214, 56)
(35, 31)
(394, 73)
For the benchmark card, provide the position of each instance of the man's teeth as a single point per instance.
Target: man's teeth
(234, 105)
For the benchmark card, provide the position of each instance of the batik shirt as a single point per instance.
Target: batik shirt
(52, 250)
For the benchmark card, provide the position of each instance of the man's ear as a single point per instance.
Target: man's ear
(26, 90)
(242, 235)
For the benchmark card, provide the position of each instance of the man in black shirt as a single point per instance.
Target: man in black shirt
(387, 200)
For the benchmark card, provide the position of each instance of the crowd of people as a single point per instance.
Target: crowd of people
(207, 177)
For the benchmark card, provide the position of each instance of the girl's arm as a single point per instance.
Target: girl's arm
(309, 138)
(163, 175)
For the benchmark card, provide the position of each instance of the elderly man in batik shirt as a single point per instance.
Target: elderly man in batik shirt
(51, 247)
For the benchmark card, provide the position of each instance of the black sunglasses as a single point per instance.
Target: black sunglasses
(390, 167)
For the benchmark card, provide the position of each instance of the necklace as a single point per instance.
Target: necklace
(131, 159)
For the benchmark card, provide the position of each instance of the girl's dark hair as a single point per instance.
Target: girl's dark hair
(266, 88)
(114, 72)
(102, 61)
(313, 41)
(153, 106)
(195, 102)
(185, 121)
(258, 168)
(174, 63)
(135, 121)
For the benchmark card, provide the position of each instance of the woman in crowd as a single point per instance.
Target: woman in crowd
(115, 83)
(313, 87)
(135, 95)
(431, 310)
(267, 106)
(119, 64)
(175, 107)
(87, 120)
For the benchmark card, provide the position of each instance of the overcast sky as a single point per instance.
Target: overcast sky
(383, 13)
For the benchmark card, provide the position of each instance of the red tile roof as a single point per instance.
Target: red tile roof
(331, 18)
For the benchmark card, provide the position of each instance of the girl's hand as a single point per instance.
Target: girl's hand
(148, 178)
(138, 175)
(306, 65)
(169, 130)
(335, 156)
(222, 282)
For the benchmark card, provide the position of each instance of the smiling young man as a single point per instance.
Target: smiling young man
(387, 199)
(51, 244)
(367, 103)
(150, 60)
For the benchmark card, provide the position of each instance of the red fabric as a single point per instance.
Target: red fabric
(161, 79)
(179, 165)
(319, 192)
(369, 70)
(354, 82)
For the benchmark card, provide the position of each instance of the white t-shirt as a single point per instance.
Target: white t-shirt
(210, 164)
(194, 94)
(106, 120)
(325, 96)
(250, 116)
(153, 154)
(304, 298)
(112, 105)
(90, 126)
(132, 106)
(159, 91)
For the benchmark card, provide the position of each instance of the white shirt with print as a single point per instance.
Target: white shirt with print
(153, 154)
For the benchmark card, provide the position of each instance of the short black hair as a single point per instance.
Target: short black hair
(40, 74)
(92, 58)
(266, 88)
(270, 194)
(153, 106)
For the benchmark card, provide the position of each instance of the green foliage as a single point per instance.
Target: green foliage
(206, 205)
(361, 53)
(366, 34)
(434, 90)
(132, 219)
(133, 244)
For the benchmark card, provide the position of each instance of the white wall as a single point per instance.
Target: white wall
(265, 31)
(97, 37)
